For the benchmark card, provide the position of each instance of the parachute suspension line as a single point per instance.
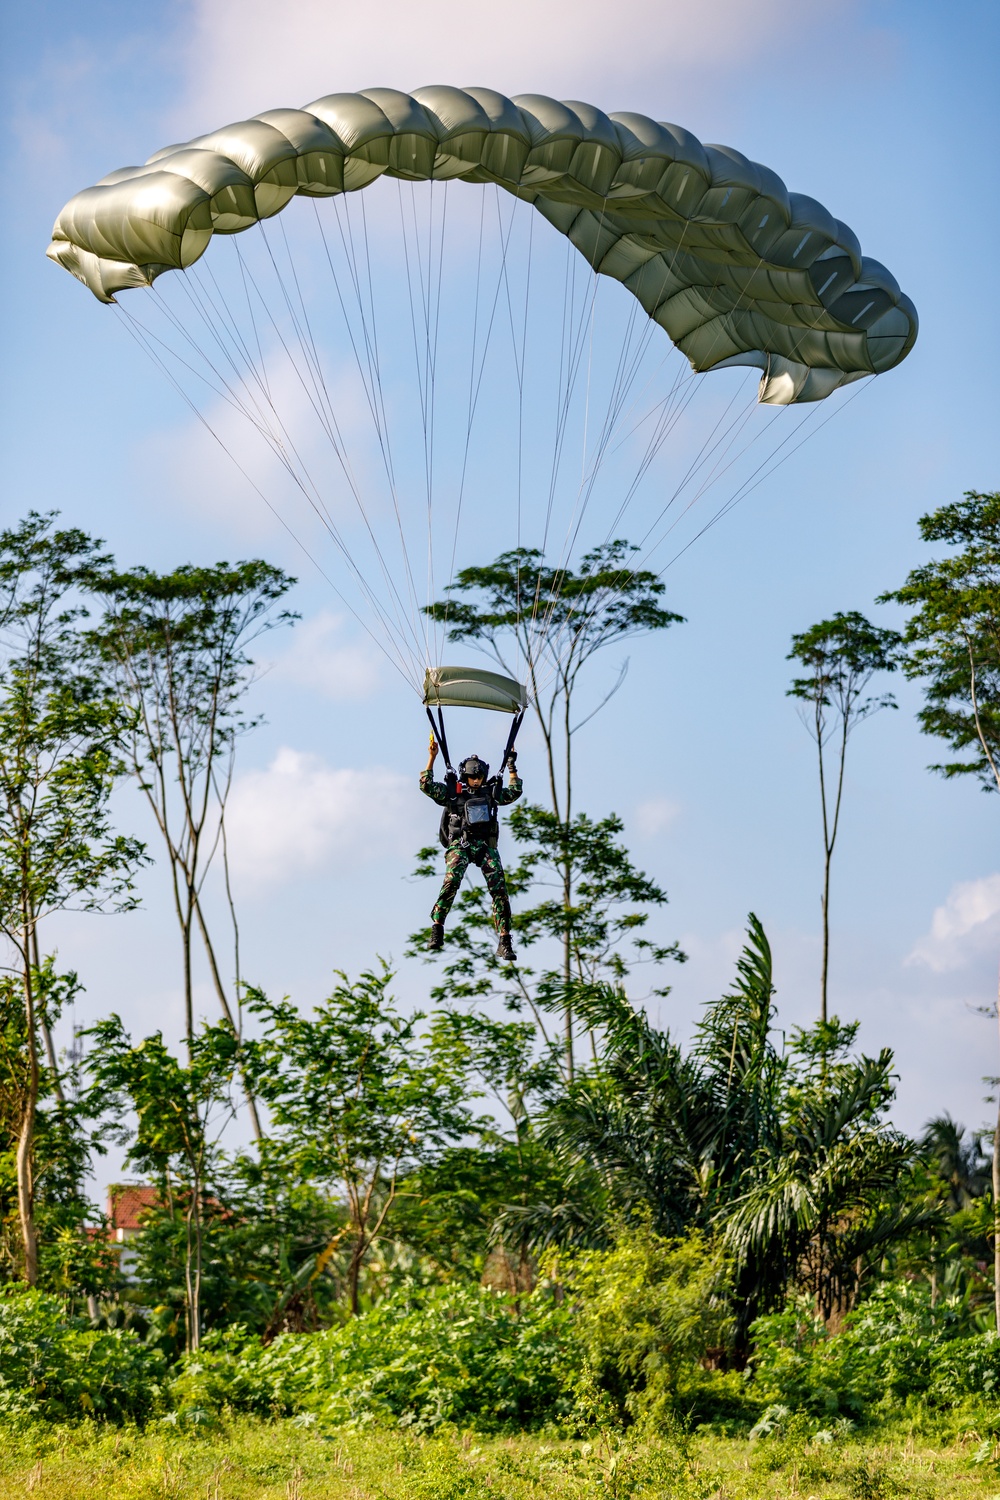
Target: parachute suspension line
(476, 379)
(762, 473)
(371, 378)
(429, 277)
(314, 387)
(673, 407)
(146, 341)
(438, 731)
(278, 440)
(375, 365)
(520, 440)
(369, 369)
(422, 354)
(470, 409)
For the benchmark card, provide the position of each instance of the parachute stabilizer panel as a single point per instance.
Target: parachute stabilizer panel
(734, 267)
(471, 687)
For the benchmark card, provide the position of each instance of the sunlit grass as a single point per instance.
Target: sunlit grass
(253, 1460)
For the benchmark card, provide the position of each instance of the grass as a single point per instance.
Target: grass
(249, 1459)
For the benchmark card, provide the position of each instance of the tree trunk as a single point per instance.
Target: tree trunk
(188, 988)
(568, 886)
(50, 1050)
(996, 1199)
(227, 1012)
(826, 937)
(26, 1138)
(354, 1276)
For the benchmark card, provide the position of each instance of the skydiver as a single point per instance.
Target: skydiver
(470, 827)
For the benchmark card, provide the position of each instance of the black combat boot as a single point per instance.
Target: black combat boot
(505, 948)
(436, 940)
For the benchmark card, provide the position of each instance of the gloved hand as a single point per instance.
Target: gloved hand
(512, 762)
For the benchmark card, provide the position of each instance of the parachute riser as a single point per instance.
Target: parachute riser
(437, 728)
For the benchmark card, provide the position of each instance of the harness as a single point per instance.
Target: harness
(471, 816)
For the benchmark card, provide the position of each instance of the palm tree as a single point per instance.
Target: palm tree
(963, 1170)
(785, 1154)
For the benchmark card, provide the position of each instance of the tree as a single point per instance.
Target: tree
(357, 1097)
(953, 634)
(797, 1174)
(71, 1262)
(842, 655)
(60, 741)
(550, 623)
(181, 1112)
(953, 641)
(824, 1198)
(594, 930)
(175, 648)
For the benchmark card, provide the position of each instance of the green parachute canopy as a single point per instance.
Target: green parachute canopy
(736, 269)
(472, 687)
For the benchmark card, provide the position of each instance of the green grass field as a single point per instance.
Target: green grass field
(253, 1460)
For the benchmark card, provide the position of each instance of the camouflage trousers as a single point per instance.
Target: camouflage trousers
(456, 862)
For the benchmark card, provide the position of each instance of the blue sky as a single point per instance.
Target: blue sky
(886, 113)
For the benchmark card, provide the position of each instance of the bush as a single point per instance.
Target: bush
(61, 1369)
(652, 1315)
(450, 1354)
(895, 1347)
(966, 1367)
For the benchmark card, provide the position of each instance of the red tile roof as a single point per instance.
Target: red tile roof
(126, 1203)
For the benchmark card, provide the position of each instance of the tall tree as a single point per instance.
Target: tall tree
(175, 646)
(602, 930)
(60, 742)
(548, 624)
(358, 1098)
(841, 656)
(953, 641)
(181, 1112)
(794, 1169)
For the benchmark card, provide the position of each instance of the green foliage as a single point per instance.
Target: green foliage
(953, 633)
(842, 655)
(558, 618)
(897, 1347)
(451, 1354)
(60, 737)
(652, 1313)
(826, 1192)
(601, 928)
(789, 1156)
(358, 1098)
(59, 1368)
(180, 1111)
(173, 648)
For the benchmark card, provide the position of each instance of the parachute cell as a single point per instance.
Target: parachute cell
(734, 267)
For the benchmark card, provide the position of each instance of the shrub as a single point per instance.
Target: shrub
(652, 1314)
(61, 1369)
(449, 1354)
(895, 1347)
(966, 1367)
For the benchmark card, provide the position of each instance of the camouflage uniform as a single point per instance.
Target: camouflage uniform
(481, 852)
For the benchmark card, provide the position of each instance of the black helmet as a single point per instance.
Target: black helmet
(473, 767)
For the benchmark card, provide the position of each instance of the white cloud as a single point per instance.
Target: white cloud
(301, 816)
(320, 659)
(655, 816)
(961, 929)
(245, 57)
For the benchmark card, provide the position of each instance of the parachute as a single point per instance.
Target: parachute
(709, 247)
(735, 268)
